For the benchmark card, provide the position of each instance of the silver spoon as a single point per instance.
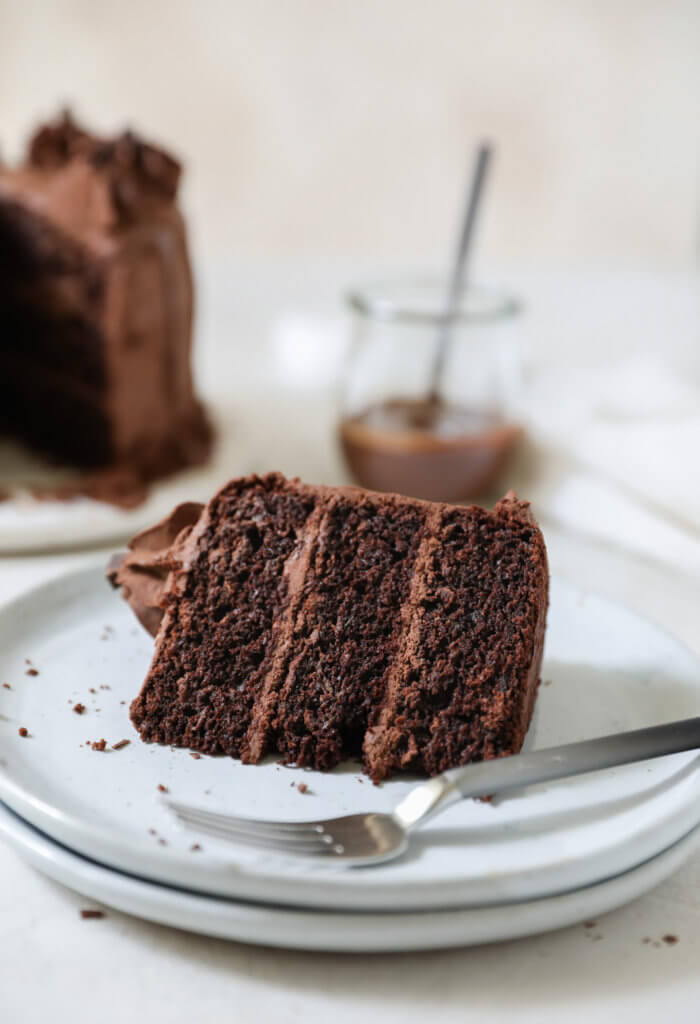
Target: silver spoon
(456, 282)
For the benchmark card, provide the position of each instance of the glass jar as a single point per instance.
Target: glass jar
(399, 434)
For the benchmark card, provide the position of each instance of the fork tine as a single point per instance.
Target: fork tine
(284, 830)
(261, 843)
(235, 832)
(312, 842)
(241, 836)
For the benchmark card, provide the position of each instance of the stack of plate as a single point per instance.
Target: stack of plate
(95, 820)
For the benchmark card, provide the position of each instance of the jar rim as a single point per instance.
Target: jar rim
(382, 300)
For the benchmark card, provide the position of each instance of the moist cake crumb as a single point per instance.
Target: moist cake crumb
(162, 788)
(22, 731)
(325, 624)
(302, 787)
(120, 744)
(163, 842)
(79, 708)
(89, 915)
(99, 744)
(670, 940)
(195, 847)
(32, 672)
(7, 686)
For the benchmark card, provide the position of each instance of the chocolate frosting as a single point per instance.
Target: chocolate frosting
(143, 572)
(93, 241)
(133, 171)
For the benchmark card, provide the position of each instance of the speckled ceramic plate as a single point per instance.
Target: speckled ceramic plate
(606, 669)
(334, 931)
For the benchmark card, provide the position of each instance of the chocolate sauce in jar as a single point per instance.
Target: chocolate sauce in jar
(440, 451)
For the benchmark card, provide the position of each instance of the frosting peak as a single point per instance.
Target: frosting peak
(133, 171)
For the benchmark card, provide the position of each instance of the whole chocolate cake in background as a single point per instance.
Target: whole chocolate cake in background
(325, 623)
(96, 308)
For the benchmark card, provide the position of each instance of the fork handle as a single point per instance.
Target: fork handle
(486, 778)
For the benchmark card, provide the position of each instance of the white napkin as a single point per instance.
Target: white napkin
(618, 456)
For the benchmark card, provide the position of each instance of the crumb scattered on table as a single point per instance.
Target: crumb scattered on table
(7, 686)
(22, 731)
(589, 924)
(195, 755)
(88, 915)
(120, 744)
(670, 940)
(32, 672)
(162, 788)
(104, 686)
(163, 842)
(302, 787)
(79, 708)
(99, 744)
(92, 689)
(195, 848)
(152, 831)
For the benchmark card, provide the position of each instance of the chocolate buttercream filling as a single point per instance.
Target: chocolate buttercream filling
(143, 572)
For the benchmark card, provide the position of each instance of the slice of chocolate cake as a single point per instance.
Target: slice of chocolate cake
(329, 623)
(96, 306)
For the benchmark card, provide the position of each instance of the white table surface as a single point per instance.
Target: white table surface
(56, 966)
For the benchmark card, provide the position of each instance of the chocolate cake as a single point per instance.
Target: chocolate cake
(96, 306)
(329, 623)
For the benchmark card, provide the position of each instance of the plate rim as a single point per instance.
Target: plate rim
(336, 931)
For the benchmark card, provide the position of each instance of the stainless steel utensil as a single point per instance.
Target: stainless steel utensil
(370, 838)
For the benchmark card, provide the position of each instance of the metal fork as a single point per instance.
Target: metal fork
(358, 839)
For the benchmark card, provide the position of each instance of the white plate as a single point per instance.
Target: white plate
(329, 931)
(609, 670)
(27, 524)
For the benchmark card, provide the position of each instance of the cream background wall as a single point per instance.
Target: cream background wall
(323, 129)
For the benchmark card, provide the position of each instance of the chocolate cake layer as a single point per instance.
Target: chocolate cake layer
(325, 624)
(95, 285)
